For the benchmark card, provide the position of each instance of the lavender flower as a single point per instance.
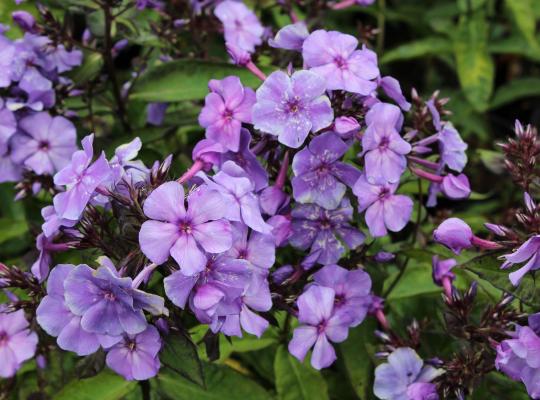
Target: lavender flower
(452, 148)
(333, 55)
(135, 357)
(184, 234)
(290, 37)
(45, 144)
(351, 290)
(385, 209)
(155, 113)
(256, 248)
(383, 148)
(320, 322)
(17, 342)
(319, 173)
(291, 107)
(242, 28)
(226, 107)
(400, 377)
(528, 251)
(454, 234)
(315, 228)
(392, 89)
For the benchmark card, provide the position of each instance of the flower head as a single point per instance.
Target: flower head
(291, 107)
(290, 37)
(455, 234)
(241, 25)
(17, 342)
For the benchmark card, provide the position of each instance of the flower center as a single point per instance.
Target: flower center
(385, 192)
(242, 254)
(294, 105)
(185, 227)
(339, 300)
(109, 296)
(325, 223)
(3, 338)
(44, 145)
(131, 345)
(384, 143)
(340, 62)
(321, 327)
(228, 114)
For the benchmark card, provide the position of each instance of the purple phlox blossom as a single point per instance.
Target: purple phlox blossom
(123, 165)
(290, 37)
(452, 148)
(28, 54)
(17, 342)
(237, 189)
(8, 126)
(442, 273)
(455, 234)
(213, 293)
(45, 246)
(320, 322)
(25, 20)
(383, 148)
(135, 357)
(245, 159)
(256, 248)
(9, 171)
(81, 178)
(385, 210)
(392, 89)
(519, 358)
(315, 228)
(273, 198)
(45, 143)
(394, 380)
(281, 228)
(320, 176)
(39, 90)
(334, 56)
(528, 252)
(52, 222)
(346, 127)
(205, 155)
(61, 59)
(7, 54)
(226, 107)
(290, 107)
(452, 186)
(242, 27)
(351, 290)
(155, 113)
(106, 302)
(183, 234)
(55, 317)
(435, 115)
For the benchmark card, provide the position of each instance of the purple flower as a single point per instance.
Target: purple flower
(346, 127)
(40, 268)
(7, 54)
(39, 90)
(17, 342)
(245, 159)
(124, 167)
(452, 148)
(383, 148)
(55, 317)
(454, 234)
(62, 60)
(456, 187)
(398, 378)
(184, 234)
(291, 107)
(385, 210)
(519, 358)
(259, 249)
(351, 290)
(393, 90)
(319, 173)
(155, 113)
(135, 357)
(315, 228)
(442, 270)
(8, 126)
(45, 144)
(333, 55)
(25, 20)
(81, 177)
(237, 189)
(52, 222)
(242, 28)
(225, 108)
(290, 37)
(106, 302)
(319, 323)
(528, 251)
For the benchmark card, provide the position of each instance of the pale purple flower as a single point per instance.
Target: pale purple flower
(52, 222)
(281, 228)
(290, 37)
(351, 290)
(81, 178)
(452, 148)
(8, 126)
(184, 234)
(291, 107)
(528, 252)
(320, 176)
(315, 228)
(208, 153)
(9, 171)
(245, 159)
(392, 89)
(398, 379)
(45, 143)
(7, 54)
(346, 127)
(385, 210)
(106, 302)
(25, 20)
(242, 27)
(442, 270)
(40, 268)
(334, 56)
(155, 113)
(256, 248)
(55, 317)
(62, 60)
(237, 189)
(39, 90)
(455, 187)
(320, 323)
(17, 342)
(135, 357)
(225, 109)
(383, 148)
(454, 234)
(124, 166)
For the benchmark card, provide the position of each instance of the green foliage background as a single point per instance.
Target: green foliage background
(483, 54)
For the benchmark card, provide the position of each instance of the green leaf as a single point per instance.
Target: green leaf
(90, 68)
(185, 80)
(222, 382)
(356, 354)
(523, 15)
(475, 67)
(514, 90)
(296, 380)
(418, 48)
(105, 386)
(416, 280)
(12, 229)
(180, 355)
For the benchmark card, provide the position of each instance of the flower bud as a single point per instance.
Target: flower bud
(25, 20)
(456, 187)
(454, 234)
